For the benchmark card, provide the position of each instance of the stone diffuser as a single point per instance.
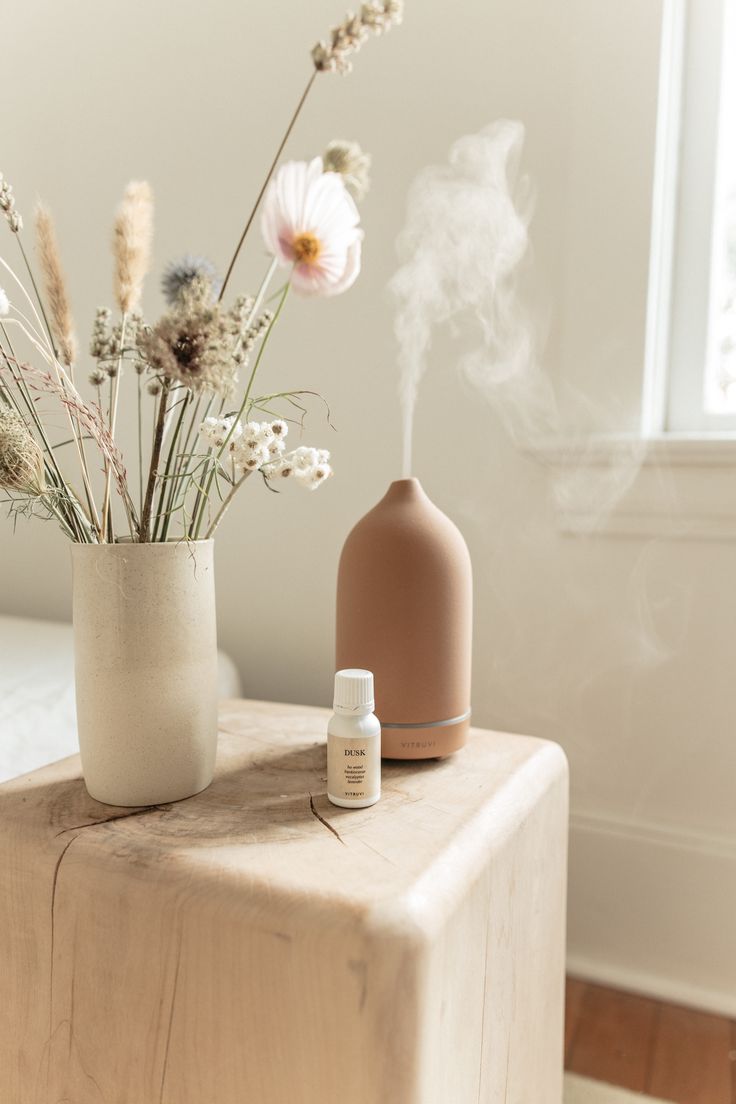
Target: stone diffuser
(404, 612)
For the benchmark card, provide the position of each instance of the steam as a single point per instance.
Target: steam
(463, 251)
(464, 240)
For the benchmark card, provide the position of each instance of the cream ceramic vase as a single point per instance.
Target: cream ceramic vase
(146, 669)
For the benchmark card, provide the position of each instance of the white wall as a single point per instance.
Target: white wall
(611, 646)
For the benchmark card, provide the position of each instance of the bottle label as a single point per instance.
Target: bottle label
(353, 768)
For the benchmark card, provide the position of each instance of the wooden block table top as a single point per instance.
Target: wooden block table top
(266, 818)
(195, 952)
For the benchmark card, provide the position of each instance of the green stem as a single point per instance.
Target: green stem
(169, 457)
(202, 496)
(29, 270)
(107, 529)
(144, 532)
(225, 503)
(181, 471)
(140, 443)
(274, 163)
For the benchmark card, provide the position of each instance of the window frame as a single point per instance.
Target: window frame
(683, 207)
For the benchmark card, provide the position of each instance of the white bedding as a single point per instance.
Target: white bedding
(37, 710)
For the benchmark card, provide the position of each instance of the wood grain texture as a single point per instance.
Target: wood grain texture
(670, 1052)
(690, 1060)
(614, 1037)
(254, 943)
(574, 995)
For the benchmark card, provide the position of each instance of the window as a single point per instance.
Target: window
(690, 378)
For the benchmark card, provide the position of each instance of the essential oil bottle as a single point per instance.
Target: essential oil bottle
(354, 743)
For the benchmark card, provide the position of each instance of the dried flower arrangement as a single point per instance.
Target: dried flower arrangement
(205, 438)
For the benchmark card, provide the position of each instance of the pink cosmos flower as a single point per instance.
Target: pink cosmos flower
(310, 223)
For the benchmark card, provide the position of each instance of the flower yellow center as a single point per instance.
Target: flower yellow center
(307, 248)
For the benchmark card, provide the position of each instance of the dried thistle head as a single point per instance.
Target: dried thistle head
(132, 238)
(21, 459)
(178, 275)
(7, 206)
(62, 323)
(349, 160)
(347, 37)
(192, 343)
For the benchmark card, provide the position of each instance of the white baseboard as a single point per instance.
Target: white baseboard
(581, 1090)
(652, 909)
(671, 990)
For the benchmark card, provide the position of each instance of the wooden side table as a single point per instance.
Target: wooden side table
(256, 945)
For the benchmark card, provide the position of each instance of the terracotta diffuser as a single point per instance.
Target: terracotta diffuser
(404, 612)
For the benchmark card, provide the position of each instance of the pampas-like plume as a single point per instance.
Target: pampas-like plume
(62, 323)
(132, 239)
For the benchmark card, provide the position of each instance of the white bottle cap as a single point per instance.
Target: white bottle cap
(354, 691)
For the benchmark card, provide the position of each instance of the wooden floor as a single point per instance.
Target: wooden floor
(646, 1046)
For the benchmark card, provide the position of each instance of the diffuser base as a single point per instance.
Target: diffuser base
(432, 741)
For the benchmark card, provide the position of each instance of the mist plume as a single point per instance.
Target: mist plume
(464, 239)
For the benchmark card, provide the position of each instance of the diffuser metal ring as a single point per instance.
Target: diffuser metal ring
(428, 724)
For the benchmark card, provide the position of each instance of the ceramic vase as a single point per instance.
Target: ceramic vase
(404, 612)
(145, 643)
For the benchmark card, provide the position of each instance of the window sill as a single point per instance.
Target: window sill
(678, 486)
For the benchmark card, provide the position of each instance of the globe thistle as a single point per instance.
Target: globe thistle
(178, 275)
(192, 343)
(21, 459)
(347, 159)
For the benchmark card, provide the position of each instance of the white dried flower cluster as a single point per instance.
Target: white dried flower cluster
(4, 303)
(250, 446)
(7, 206)
(353, 165)
(347, 37)
(215, 431)
(309, 467)
(260, 446)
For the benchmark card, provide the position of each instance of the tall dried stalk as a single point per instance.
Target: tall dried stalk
(132, 239)
(62, 323)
